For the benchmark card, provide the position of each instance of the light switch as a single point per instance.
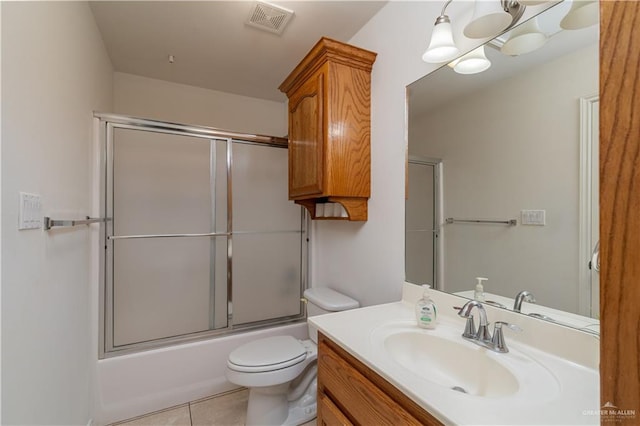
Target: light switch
(533, 217)
(30, 211)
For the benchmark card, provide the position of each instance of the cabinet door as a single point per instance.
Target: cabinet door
(329, 414)
(306, 139)
(355, 394)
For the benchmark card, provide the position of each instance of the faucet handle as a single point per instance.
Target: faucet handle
(513, 327)
(498, 341)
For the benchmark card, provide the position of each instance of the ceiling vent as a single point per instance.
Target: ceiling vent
(269, 17)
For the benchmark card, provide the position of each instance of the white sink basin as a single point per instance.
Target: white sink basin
(444, 358)
(451, 364)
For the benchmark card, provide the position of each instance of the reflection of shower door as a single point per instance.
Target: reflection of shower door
(202, 238)
(421, 222)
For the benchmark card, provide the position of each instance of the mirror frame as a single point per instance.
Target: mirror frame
(619, 193)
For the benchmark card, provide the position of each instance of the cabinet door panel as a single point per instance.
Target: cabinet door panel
(365, 402)
(306, 138)
(329, 414)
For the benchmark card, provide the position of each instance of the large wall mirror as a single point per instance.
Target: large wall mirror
(516, 143)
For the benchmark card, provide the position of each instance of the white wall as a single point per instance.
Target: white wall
(519, 150)
(55, 73)
(366, 260)
(179, 103)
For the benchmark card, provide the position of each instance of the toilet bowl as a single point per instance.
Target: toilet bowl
(280, 371)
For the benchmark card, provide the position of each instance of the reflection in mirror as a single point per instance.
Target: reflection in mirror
(423, 214)
(518, 141)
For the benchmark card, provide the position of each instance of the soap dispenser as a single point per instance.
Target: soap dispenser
(478, 293)
(426, 313)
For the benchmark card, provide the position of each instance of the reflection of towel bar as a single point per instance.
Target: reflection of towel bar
(50, 223)
(510, 222)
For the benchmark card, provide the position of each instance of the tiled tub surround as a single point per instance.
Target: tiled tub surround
(570, 355)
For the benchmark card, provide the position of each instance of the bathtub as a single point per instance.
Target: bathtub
(131, 385)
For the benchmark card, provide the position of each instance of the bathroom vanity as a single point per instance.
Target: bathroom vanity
(348, 389)
(384, 369)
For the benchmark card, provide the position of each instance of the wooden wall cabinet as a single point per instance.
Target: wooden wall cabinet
(350, 393)
(329, 128)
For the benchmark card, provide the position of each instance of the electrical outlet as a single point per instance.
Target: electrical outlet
(533, 217)
(30, 211)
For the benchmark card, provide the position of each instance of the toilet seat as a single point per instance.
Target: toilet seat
(268, 354)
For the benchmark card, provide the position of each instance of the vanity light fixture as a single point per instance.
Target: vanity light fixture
(442, 48)
(472, 63)
(524, 39)
(583, 14)
(490, 17)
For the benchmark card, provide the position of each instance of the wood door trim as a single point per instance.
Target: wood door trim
(620, 207)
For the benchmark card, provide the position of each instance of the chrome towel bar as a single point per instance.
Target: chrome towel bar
(51, 223)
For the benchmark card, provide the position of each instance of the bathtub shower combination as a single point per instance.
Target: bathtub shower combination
(201, 239)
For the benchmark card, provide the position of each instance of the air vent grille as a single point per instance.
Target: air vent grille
(269, 17)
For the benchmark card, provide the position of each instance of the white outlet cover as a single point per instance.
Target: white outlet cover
(533, 217)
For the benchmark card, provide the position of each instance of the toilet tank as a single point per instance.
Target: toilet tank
(323, 300)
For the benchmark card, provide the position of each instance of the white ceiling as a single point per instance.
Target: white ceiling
(212, 46)
(445, 85)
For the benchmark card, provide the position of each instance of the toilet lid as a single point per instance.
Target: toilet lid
(268, 354)
(330, 300)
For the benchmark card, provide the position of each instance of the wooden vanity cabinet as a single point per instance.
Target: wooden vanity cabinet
(330, 128)
(350, 393)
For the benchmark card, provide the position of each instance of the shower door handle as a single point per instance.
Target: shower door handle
(135, 237)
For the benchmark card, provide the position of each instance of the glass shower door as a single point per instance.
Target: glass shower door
(167, 279)
(201, 239)
(267, 237)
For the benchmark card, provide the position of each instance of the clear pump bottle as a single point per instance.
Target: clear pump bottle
(478, 293)
(426, 313)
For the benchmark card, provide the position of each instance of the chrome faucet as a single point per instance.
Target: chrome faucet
(481, 336)
(523, 296)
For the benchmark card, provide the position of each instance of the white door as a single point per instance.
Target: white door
(589, 294)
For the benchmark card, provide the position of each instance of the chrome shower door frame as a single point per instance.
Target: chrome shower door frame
(106, 125)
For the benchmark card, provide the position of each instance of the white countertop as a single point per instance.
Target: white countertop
(570, 356)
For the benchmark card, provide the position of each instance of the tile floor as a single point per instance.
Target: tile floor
(227, 409)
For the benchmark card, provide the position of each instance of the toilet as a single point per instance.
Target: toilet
(280, 371)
